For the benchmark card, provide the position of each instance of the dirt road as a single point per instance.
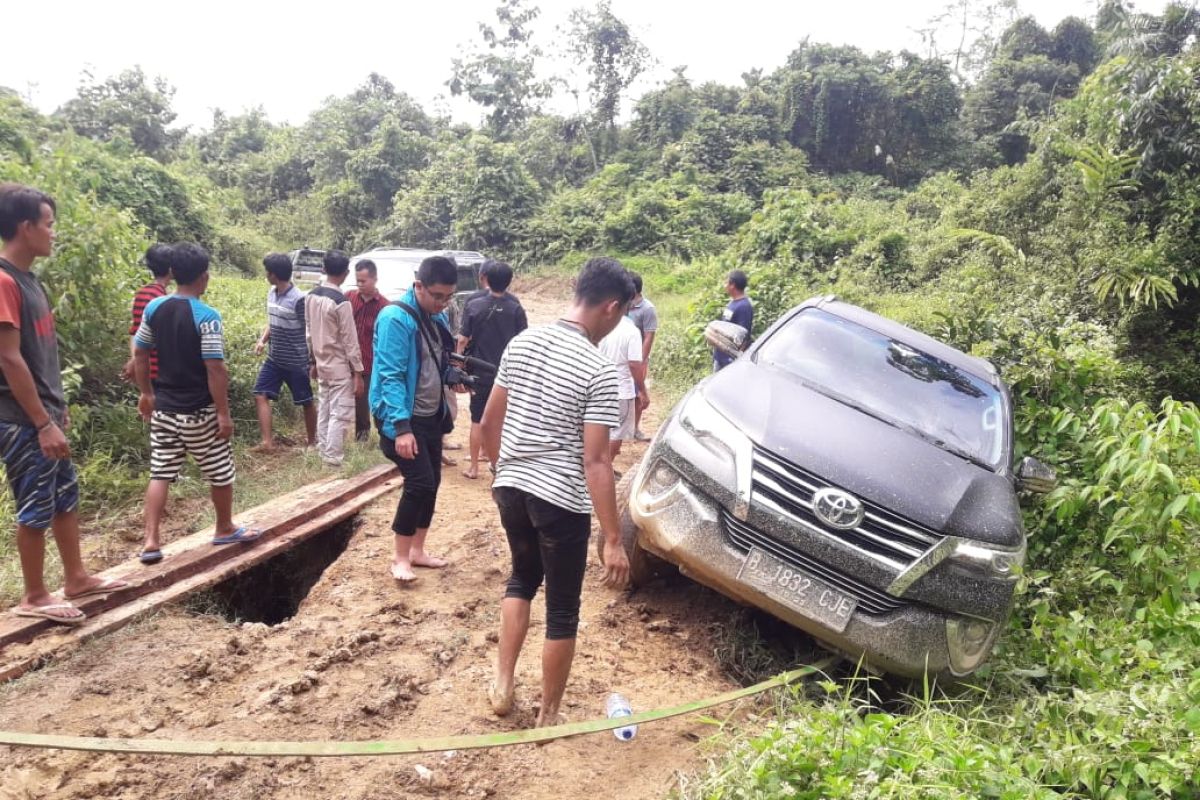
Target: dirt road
(364, 658)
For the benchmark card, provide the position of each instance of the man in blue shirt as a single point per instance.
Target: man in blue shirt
(188, 405)
(408, 402)
(740, 311)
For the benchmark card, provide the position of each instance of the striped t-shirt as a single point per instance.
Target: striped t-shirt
(285, 317)
(556, 381)
(151, 291)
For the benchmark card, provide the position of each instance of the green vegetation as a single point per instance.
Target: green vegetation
(1030, 197)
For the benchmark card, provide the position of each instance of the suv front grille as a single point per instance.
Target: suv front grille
(870, 599)
(788, 490)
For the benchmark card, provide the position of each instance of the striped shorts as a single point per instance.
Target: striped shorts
(174, 435)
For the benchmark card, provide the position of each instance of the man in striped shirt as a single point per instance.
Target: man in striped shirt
(287, 359)
(158, 261)
(546, 427)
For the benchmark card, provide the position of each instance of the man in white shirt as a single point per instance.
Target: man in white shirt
(623, 347)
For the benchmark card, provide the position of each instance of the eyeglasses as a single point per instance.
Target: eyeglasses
(440, 297)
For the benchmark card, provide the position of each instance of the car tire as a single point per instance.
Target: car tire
(642, 565)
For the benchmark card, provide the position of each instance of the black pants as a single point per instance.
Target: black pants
(548, 542)
(422, 475)
(362, 411)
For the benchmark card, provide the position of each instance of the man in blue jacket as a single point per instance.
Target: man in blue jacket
(407, 398)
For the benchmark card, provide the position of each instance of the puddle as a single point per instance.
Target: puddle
(273, 591)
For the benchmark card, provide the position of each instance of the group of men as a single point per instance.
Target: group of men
(563, 398)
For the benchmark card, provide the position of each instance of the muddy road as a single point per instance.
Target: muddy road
(365, 658)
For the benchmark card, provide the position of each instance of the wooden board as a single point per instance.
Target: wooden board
(191, 564)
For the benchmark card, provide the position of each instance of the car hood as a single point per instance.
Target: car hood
(858, 453)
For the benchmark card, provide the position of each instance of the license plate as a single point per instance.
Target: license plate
(798, 590)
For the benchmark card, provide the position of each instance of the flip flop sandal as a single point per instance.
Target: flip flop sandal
(108, 586)
(240, 536)
(44, 612)
(150, 556)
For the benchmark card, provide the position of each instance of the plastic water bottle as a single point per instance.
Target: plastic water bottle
(618, 706)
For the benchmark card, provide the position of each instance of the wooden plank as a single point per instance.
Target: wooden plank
(195, 554)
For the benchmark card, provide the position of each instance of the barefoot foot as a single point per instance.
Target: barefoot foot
(428, 561)
(403, 573)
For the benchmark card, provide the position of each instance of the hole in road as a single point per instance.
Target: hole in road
(273, 591)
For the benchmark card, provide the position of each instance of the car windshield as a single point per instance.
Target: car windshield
(310, 258)
(892, 381)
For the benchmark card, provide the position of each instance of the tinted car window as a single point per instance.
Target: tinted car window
(891, 380)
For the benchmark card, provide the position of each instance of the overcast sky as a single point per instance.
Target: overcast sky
(287, 57)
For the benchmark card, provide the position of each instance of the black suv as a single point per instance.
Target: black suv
(852, 477)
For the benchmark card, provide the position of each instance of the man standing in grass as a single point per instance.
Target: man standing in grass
(158, 260)
(546, 427)
(336, 360)
(287, 359)
(188, 406)
(739, 311)
(366, 302)
(33, 414)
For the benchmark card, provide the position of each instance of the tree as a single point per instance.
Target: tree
(614, 59)
(125, 107)
(503, 77)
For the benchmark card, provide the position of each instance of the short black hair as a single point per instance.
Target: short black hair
(336, 263)
(637, 282)
(499, 276)
(438, 271)
(601, 280)
(368, 266)
(739, 280)
(485, 269)
(158, 259)
(189, 262)
(20, 203)
(279, 265)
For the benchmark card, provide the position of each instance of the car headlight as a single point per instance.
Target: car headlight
(969, 641)
(716, 448)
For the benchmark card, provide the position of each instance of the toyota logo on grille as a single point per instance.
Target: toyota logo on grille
(837, 509)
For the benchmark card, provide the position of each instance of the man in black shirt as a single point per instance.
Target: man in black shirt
(490, 321)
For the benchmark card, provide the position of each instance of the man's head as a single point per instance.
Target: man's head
(485, 270)
(27, 219)
(499, 276)
(189, 265)
(603, 290)
(365, 275)
(337, 266)
(736, 283)
(158, 259)
(279, 268)
(436, 278)
(637, 285)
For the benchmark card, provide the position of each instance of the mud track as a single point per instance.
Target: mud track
(364, 658)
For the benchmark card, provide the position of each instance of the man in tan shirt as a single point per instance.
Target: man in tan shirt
(336, 360)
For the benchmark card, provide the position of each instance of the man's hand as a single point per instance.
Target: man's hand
(259, 346)
(616, 563)
(145, 406)
(224, 427)
(360, 386)
(643, 399)
(54, 442)
(128, 372)
(406, 446)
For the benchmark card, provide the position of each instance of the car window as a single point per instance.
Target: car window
(891, 380)
(394, 274)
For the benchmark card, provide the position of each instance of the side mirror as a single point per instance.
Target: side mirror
(727, 337)
(1034, 476)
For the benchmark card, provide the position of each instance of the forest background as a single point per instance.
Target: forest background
(1029, 196)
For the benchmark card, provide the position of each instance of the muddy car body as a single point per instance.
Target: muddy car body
(852, 477)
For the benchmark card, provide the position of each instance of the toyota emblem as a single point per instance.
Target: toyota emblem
(838, 509)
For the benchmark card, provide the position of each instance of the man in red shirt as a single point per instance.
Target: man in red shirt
(366, 303)
(158, 260)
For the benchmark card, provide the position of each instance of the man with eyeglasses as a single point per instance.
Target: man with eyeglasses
(408, 403)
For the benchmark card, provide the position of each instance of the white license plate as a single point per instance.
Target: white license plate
(798, 590)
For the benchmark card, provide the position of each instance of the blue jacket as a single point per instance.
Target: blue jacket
(397, 366)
